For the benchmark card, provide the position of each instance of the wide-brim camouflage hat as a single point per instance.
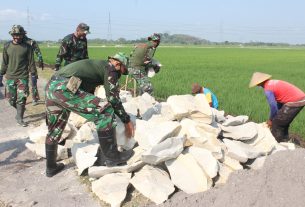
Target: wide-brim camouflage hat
(154, 37)
(84, 27)
(121, 57)
(258, 78)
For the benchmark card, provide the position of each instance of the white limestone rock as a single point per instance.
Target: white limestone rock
(154, 183)
(205, 159)
(186, 174)
(224, 174)
(258, 163)
(218, 116)
(86, 133)
(40, 150)
(76, 120)
(122, 140)
(241, 151)
(241, 132)
(38, 134)
(185, 105)
(232, 163)
(149, 134)
(235, 121)
(112, 188)
(165, 150)
(84, 155)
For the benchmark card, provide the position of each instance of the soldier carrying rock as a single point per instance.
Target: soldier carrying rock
(71, 89)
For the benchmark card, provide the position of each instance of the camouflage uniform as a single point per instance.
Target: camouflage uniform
(17, 63)
(139, 62)
(138, 70)
(72, 49)
(36, 49)
(60, 101)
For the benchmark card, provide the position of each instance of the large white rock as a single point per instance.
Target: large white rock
(185, 105)
(264, 141)
(76, 120)
(154, 183)
(133, 164)
(224, 173)
(241, 132)
(38, 134)
(112, 188)
(206, 160)
(86, 133)
(165, 150)
(145, 105)
(84, 155)
(122, 140)
(241, 151)
(149, 134)
(235, 121)
(218, 116)
(40, 150)
(232, 163)
(186, 174)
(258, 163)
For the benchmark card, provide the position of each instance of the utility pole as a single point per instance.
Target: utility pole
(109, 35)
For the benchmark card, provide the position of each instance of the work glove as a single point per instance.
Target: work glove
(129, 129)
(40, 64)
(56, 67)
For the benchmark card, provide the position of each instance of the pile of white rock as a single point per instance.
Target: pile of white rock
(181, 143)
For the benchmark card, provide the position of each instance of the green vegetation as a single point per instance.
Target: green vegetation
(226, 71)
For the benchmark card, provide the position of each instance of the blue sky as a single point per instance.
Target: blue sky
(214, 20)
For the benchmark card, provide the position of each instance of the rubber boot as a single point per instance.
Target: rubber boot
(108, 153)
(19, 116)
(51, 154)
(1, 79)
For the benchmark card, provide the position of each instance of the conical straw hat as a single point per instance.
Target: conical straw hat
(258, 78)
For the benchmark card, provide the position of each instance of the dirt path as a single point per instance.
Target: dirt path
(22, 173)
(280, 183)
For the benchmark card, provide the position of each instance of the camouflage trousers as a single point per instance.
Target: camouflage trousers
(35, 94)
(17, 91)
(143, 81)
(60, 102)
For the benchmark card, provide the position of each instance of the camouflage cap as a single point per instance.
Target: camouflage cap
(120, 57)
(84, 27)
(17, 30)
(154, 37)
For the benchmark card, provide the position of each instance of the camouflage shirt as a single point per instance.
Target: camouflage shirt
(35, 47)
(141, 53)
(18, 61)
(98, 72)
(72, 49)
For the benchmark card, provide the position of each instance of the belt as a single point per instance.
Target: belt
(56, 77)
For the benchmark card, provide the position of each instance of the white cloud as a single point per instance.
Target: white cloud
(10, 14)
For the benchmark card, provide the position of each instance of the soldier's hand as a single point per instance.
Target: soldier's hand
(129, 129)
(56, 68)
(40, 64)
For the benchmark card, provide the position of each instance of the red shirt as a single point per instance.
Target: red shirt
(283, 91)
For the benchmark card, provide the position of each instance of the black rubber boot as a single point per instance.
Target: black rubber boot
(108, 153)
(20, 114)
(51, 154)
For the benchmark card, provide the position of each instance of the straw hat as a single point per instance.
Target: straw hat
(258, 78)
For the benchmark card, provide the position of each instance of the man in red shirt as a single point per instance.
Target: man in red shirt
(285, 101)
